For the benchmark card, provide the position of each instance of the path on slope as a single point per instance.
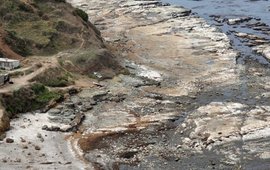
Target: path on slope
(21, 81)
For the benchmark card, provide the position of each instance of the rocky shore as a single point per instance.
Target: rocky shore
(186, 104)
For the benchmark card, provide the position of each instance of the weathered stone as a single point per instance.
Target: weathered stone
(37, 148)
(54, 111)
(9, 140)
(45, 127)
(70, 105)
(2, 136)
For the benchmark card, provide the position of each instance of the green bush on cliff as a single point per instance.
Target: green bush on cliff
(28, 99)
(54, 77)
(81, 14)
(18, 44)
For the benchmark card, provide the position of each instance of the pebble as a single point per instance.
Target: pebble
(39, 135)
(23, 140)
(37, 148)
(25, 147)
(9, 140)
(17, 160)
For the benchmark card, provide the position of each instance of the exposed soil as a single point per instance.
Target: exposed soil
(5, 50)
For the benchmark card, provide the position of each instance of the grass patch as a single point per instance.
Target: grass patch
(41, 31)
(39, 27)
(98, 64)
(28, 99)
(54, 77)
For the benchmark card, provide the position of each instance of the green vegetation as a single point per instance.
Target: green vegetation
(28, 99)
(43, 95)
(54, 77)
(41, 32)
(43, 27)
(84, 58)
(18, 44)
(98, 64)
(81, 13)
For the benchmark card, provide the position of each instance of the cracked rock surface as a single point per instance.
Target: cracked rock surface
(186, 104)
(206, 112)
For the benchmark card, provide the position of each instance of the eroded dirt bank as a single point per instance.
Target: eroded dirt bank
(185, 105)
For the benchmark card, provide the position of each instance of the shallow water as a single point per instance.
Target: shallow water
(205, 8)
(258, 10)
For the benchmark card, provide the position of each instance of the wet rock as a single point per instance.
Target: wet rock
(54, 111)
(219, 20)
(184, 12)
(9, 140)
(238, 20)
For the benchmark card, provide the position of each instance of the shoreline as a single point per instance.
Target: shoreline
(198, 72)
(185, 104)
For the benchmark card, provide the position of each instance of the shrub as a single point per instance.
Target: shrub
(64, 1)
(81, 14)
(54, 77)
(38, 88)
(28, 99)
(17, 44)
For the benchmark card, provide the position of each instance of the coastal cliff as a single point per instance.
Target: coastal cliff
(180, 102)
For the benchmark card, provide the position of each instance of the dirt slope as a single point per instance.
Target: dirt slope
(36, 27)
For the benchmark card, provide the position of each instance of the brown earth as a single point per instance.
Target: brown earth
(5, 49)
(44, 28)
